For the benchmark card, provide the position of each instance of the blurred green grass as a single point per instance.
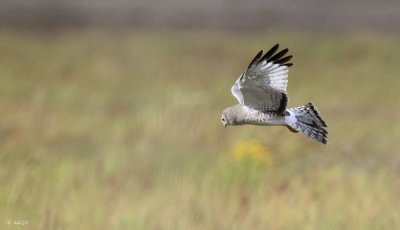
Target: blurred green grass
(121, 130)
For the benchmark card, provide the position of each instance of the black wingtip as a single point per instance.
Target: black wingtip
(284, 60)
(278, 55)
(259, 54)
(256, 58)
(270, 52)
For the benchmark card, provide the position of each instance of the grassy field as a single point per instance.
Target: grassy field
(121, 130)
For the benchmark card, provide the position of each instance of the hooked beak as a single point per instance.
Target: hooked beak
(225, 125)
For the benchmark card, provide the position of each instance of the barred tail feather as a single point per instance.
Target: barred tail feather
(309, 122)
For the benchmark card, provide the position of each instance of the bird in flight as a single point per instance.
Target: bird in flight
(262, 96)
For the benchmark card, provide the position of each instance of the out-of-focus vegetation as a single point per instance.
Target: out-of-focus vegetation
(121, 131)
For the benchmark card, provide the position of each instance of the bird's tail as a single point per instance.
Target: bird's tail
(308, 121)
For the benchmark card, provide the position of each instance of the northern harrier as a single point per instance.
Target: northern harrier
(262, 96)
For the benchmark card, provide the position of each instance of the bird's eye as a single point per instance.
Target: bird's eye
(223, 119)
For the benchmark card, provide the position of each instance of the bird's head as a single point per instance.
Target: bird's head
(224, 120)
(229, 116)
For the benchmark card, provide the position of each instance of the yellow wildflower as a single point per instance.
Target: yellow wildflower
(252, 150)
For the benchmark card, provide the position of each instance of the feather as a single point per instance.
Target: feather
(256, 58)
(284, 60)
(267, 66)
(270, 52)
(278, 55)
(279, 68)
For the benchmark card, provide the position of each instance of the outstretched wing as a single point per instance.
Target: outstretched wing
(263, 85)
